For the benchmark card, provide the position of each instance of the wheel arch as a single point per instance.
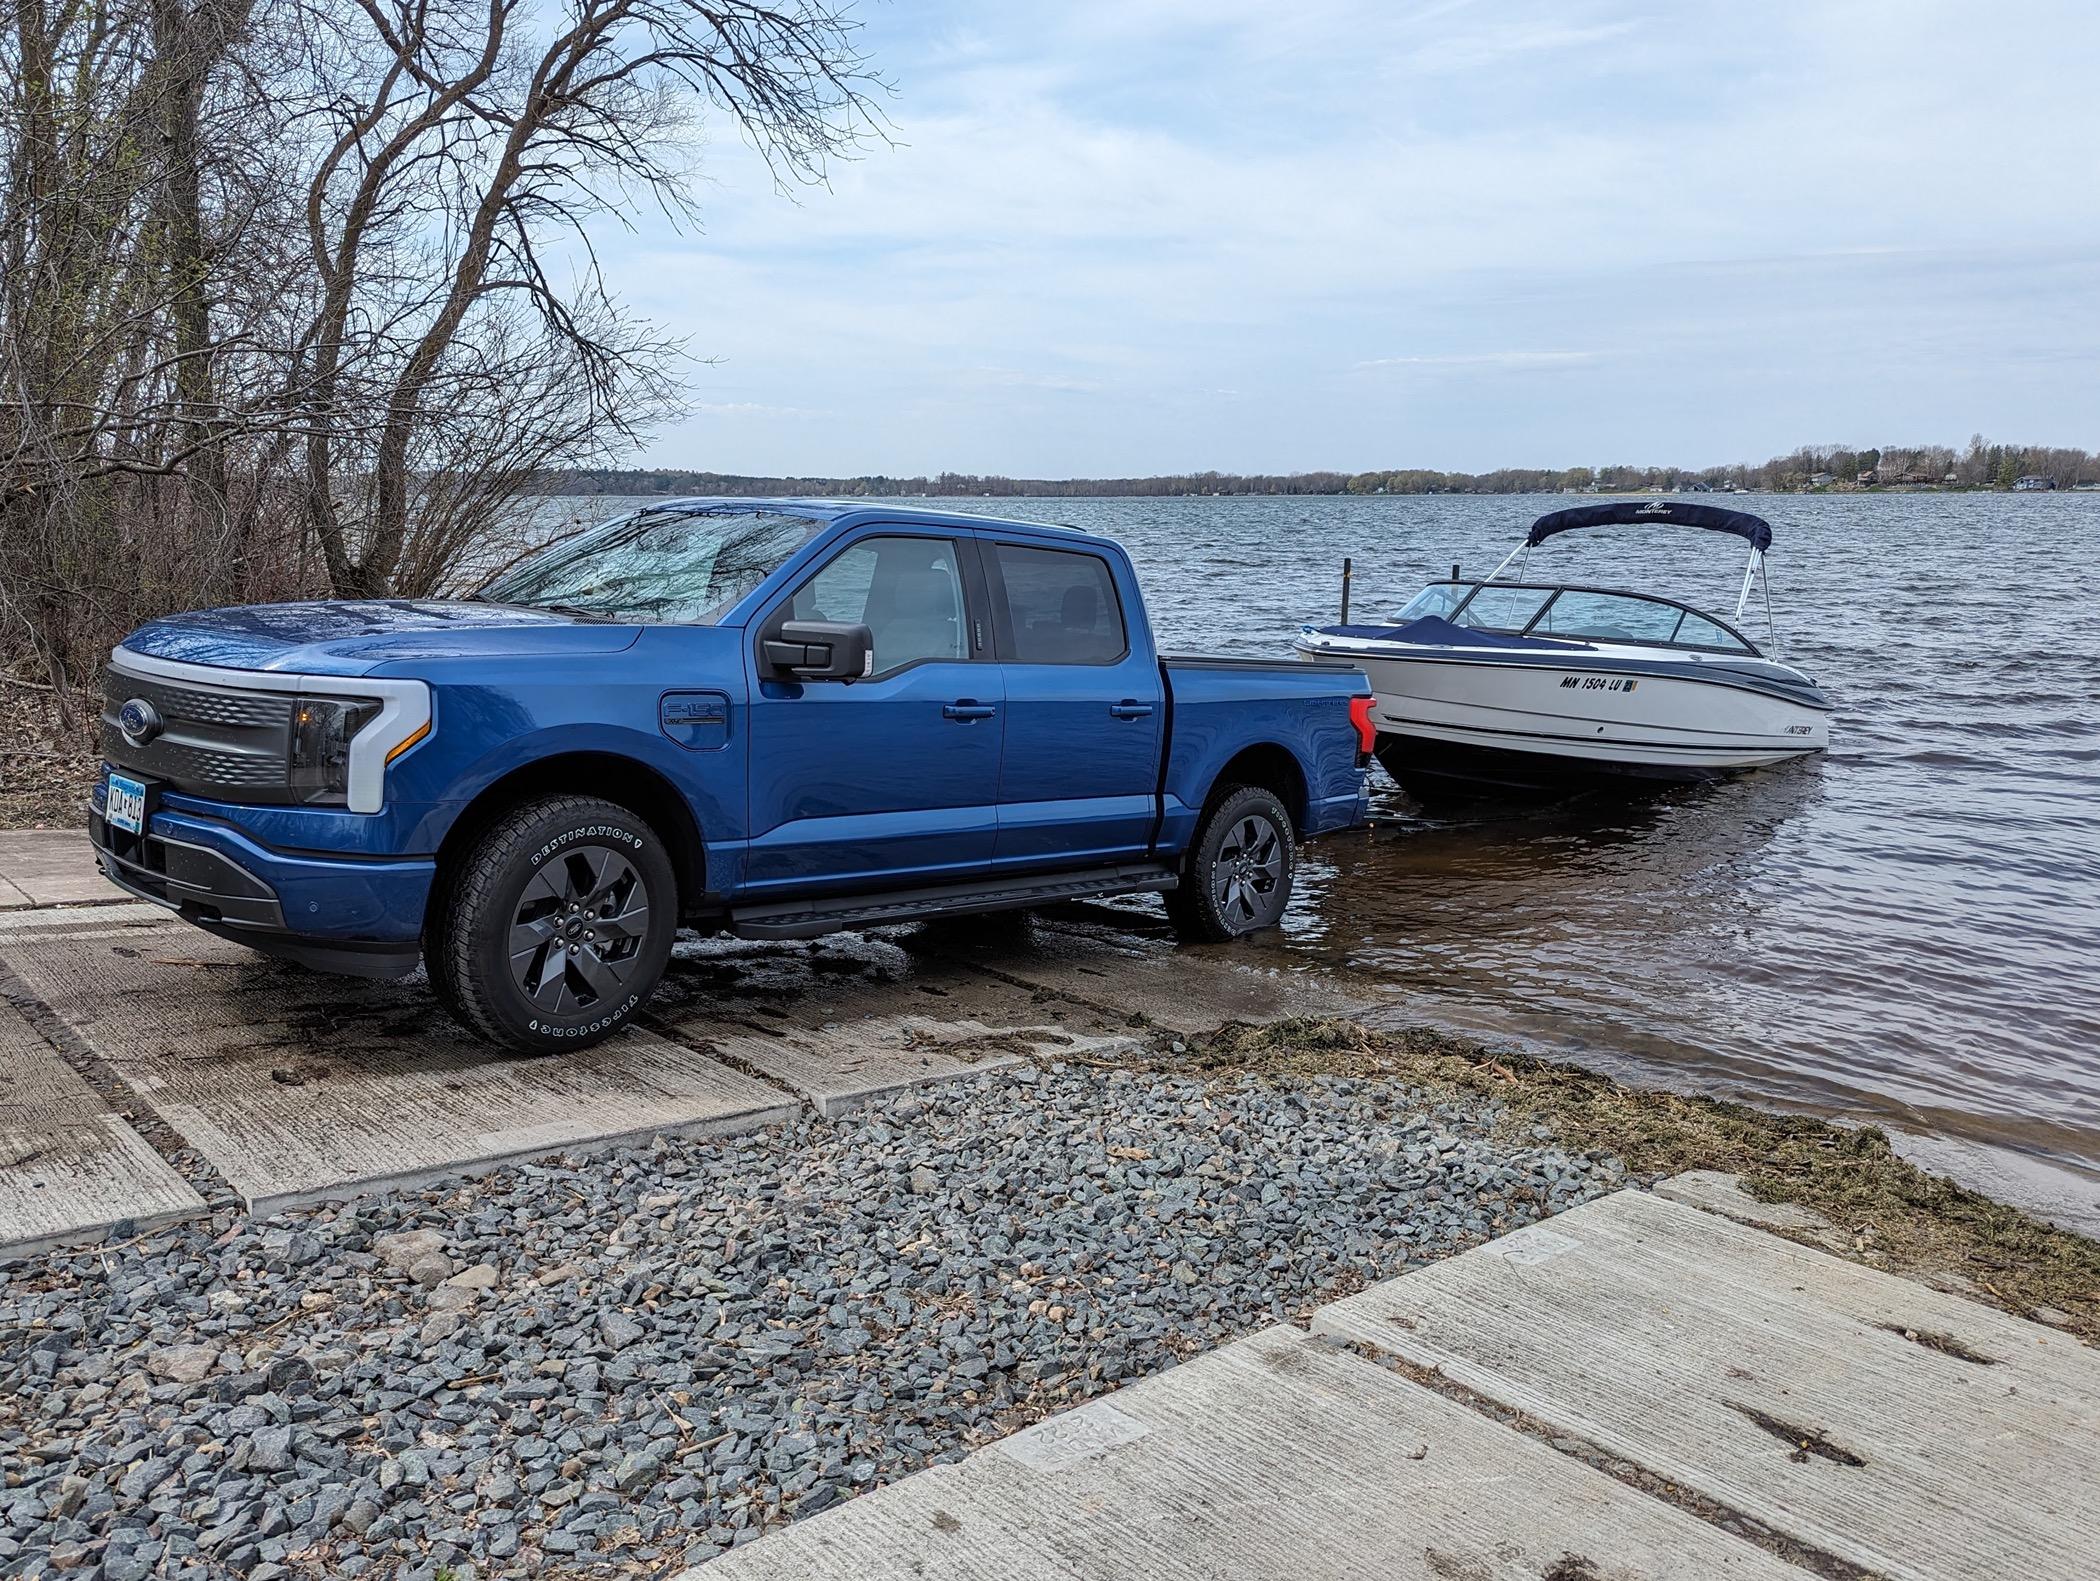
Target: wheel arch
(1268, 766)
(610, 776)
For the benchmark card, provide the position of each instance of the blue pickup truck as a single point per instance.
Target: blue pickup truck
(773, 718)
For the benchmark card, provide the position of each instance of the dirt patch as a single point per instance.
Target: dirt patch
(1945, 1344)
(1891, 1214)
(44, 772)
(1451, 1567)
(1802, 1441)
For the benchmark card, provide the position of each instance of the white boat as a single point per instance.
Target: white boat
(1509, 685)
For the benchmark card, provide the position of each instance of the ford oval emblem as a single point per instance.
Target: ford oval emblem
(139, 721)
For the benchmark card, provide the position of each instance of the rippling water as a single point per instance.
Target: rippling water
(1906, 930)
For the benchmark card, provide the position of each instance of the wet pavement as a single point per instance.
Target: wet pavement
(148, 1067)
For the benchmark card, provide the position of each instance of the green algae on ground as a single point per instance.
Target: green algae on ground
(1889, 1213)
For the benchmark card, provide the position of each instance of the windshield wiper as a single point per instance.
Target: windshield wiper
(576, 610)
(573, 609)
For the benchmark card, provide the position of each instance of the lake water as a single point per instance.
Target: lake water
(1905, 931)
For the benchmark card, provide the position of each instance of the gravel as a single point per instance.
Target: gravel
(637, 1359)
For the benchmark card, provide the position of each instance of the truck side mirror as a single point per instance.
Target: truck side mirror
(818, 650)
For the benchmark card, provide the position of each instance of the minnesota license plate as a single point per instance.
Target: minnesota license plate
(125, 805)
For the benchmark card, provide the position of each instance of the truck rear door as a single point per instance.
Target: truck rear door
(1085, 706)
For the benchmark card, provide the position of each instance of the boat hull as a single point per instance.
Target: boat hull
(1550, 725)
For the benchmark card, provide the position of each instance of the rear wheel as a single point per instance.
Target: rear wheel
(1236, 878)
(557, 925)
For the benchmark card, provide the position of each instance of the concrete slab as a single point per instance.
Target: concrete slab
(1275, 1456)
(54, 867)
(1722, 1193)
(1183, 988)
(70, 1168)
(298, 1086)
(77, 919)
(824, 1019)
(1908, 1431)
(11, 898)
(839, 1071)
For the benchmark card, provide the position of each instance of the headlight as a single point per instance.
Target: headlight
(322, 728)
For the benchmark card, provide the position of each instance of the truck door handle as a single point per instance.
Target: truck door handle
(966, 711)
(1129, 708)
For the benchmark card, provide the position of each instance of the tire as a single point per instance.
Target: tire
(586, 891)
(1236, 878)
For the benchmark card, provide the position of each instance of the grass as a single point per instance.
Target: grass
(1888, 1212)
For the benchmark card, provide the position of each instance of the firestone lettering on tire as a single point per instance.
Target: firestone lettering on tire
(583, 1028)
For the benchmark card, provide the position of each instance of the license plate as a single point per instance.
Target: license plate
(125, 805)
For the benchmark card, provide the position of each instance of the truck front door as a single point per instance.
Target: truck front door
(892, 779)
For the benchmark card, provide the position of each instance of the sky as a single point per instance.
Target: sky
(1153, 236)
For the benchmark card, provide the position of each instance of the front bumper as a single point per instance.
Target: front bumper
(363, 917)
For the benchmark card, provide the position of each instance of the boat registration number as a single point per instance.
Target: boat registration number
(1599, 683)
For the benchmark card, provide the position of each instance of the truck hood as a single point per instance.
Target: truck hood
(355, 637)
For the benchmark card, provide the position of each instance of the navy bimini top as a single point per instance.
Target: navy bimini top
(1670, 512)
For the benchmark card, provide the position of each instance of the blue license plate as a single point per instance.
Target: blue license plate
(125, 804)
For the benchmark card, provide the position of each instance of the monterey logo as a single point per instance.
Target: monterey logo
(1654, 508)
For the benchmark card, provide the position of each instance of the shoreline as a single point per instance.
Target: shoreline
(40, 790)
(624, 1362)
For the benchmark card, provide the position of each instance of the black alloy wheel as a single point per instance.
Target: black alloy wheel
(1236, 878)
(554, 928)
(577, 935)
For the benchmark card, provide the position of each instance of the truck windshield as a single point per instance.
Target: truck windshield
(661, 566)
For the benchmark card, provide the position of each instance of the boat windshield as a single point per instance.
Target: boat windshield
(1438, 598)
(1608, 617)
(1572, 614)
(1503, 608)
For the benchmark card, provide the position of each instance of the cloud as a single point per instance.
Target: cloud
(753, 409)
(1484, 359)
(1018, 378)
(1812, 216)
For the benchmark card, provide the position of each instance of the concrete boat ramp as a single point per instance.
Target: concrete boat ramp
(148, 1069)
(1636, 1390)
(1666, 1386)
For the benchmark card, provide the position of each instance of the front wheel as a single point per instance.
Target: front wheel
(557, 925)
(1236, 878)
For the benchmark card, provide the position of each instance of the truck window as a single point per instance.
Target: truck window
(906, 591)
(659, 565)
(1061, 607)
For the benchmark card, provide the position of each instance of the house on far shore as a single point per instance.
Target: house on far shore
(1867, 475)
(1821, 480)
(2033, 484)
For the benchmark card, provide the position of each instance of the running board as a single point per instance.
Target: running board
(804, 919)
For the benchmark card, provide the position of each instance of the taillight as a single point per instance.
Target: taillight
(1366, 731)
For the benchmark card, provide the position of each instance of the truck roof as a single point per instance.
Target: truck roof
(846, 511)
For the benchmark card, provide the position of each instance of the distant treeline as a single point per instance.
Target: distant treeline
(1981, 465)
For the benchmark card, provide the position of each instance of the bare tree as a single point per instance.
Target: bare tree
(142, 340)
(299, 295)
(463, 340)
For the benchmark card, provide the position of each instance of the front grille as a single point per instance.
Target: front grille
(215, 740)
